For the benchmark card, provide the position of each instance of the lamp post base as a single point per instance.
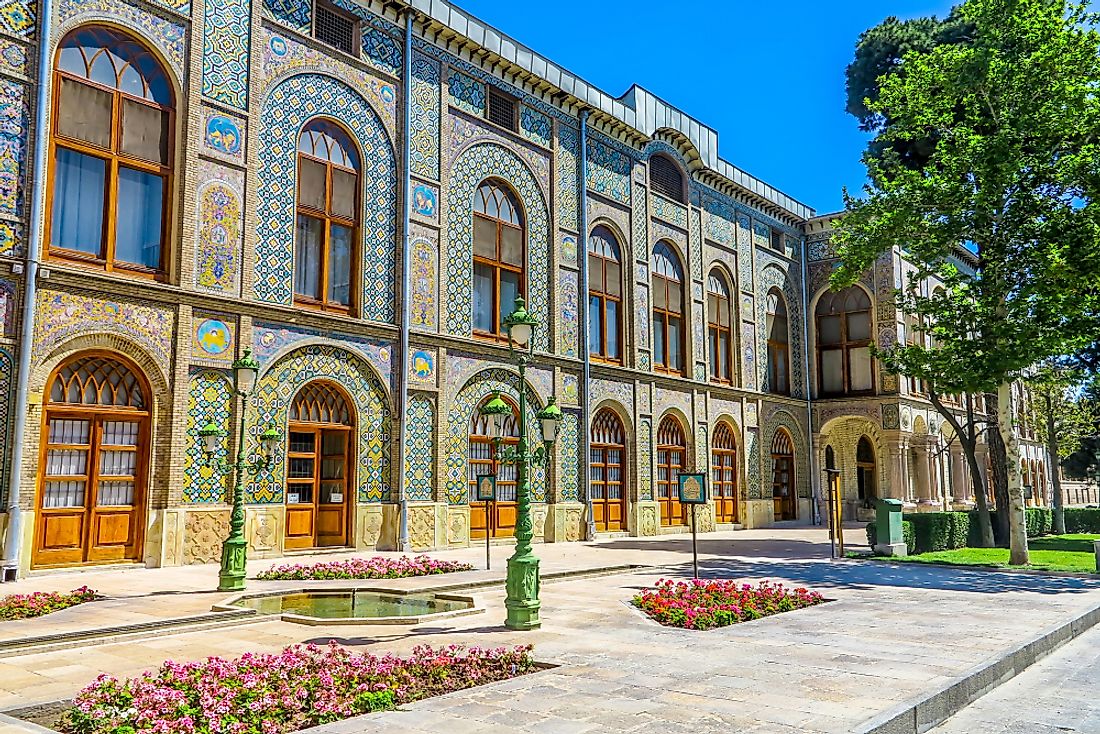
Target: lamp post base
(522, 601)
(232, 574)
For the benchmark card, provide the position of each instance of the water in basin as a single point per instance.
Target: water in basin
(361, 604)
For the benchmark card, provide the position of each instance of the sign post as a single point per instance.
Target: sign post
(487, 493)
(693, 491)
(836, 514)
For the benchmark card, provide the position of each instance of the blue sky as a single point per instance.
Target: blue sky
(768, 76)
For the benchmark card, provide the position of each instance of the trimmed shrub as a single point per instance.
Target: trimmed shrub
(937, 531)
(1039, 521)
(907, 535)
(1083, 520)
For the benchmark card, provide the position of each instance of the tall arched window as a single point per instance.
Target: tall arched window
(865, 466)
(605, 295)
(844, 342)
(319, 466)
(779, 352)
(498, 257)
(111, 153)
(665, 178)
(723, 465)
(783, 495)
(325, 250)
(720, 328)
(607, 471)
(668, 310)
(91, 498)
(671, 454)
(502, 513)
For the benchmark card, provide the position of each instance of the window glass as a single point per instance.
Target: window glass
(674, 341)
(144, 132)
(312, 181)
(613, 329)
(511, 246)
(485, 238)
(859, 326)
(724, 355)
(483, 297)
(829, 330)
(78, 202)
(832, 370)
(613, 279)
(307, 257)
(138, 226)
(85, 113)
(658, 338)
(595, 332)
(859, 364)
(343, 194)
(509, 290)
(339, 265)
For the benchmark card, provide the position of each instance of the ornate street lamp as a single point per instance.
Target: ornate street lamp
(231, 576)
(522, 600)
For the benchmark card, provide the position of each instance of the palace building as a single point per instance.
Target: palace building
(356, 191)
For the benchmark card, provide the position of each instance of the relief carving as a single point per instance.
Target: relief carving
(203, 536)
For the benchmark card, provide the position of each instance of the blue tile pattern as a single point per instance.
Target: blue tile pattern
(569, 165)
(13, 147)
(466, 93)
(639, 221)
(425, 116)
(209, 400)
(7, 379)
(772, 275)
(286, 109)
(569, 455)
(294, 13)
(772, 423)
(168, 36)
(17, 17)
(645, 458)
(226, 34)
(535, 126)
(419, 445)
(608, 171)
(753, 439)
(669, 211)
(382, 50)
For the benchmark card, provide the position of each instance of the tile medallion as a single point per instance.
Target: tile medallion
(422, 366)
(569, 249)
(570, 390)
(422, 305)
(269, 340)
(227, 30)
(209, 400)
(220, 229)
(224, 135)
(168, 36)
(425, 201)
(425, 122)
(419, 448)
(13, 57)
(212, 338)
(287, 108)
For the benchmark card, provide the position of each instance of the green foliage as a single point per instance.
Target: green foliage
(1071, 543)
(936, 531)
(1041, 560)
(1084, 462)
(1083, 520)
(907, 535)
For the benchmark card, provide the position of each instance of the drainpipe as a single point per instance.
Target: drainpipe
(406, 285)
(582, 314)
(30, 287)
(815, 481)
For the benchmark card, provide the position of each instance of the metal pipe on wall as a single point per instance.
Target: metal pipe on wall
(582, 315)
(30, 286)
(815, 481)
(406, 295)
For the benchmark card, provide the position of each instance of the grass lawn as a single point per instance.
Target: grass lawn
(1072, 553)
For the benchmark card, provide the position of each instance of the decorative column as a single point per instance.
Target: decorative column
(960, 479)
(920, 474)
(897, 484)
(930, 452)
(981, 453)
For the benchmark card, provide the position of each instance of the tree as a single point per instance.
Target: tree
(1011, 175)
(1084, 463)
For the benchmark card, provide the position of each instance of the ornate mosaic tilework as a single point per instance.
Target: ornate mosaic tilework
(209, 400)
(644, 362)
(752, 438)
(462, 368)
(667, 399)
(269, 339)
(791, 247)
(458, 430)
(425, 116)
(169, 37)
(820, 249)
(466, 93)
(801, 471)
(11, 239)
(381, 50)
(7, 379)
(17, 17)
(641, 316)
(422, 366)
(466, 132)
(8, 301)
(476, 164)
(773, 276)
(224, 135)
(748, 354)
(608, 171)
(725, 410)
(569, 166)
(721, 220)
(286, 109)
(220, 229)
(702, 447)
(751, 413)
(535, 126)
(13, 57)
(568, 310)
(621, 392)
(13, 147)
(695, 250)
(645, 459)
(283, 56)
(422, 307)
(294, 13)
(891, 420)
(425, 201)
(669, 211)
(745, 254)
(63, 316)
(640, 225)
(213, 338)
(570, 390)
(569, 456)
(180, 6)
(275, 391)
(761, 235)
(225, 67)
(419, 448)
(569, 249)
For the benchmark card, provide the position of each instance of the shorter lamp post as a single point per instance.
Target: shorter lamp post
(522, 600)
(231, 576)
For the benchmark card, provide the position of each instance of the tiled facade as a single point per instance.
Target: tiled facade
(247, 76)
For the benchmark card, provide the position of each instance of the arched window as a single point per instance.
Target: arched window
(607, 471)
(844, 342)
(111, 153)
(319, 467)
(91, 499)
(723, 466)
(671, 453)
(720, 328)
(665, 178)
(668, 310)
(325, 250)
(783, 495)
(865, 466)
(498, 257)
(779, 352)
(605, 295)
(502, 513)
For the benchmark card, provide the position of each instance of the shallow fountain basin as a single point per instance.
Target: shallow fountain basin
(353, 606)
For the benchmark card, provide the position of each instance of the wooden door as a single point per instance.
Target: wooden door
(724, 474)
(783, 493)
(607, 472)
(95, 443)
(500, 522)
(671, 451)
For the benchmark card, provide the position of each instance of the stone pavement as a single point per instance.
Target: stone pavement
(891, 633)
(1057, 695)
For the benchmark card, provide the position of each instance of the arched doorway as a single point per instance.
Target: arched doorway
(865, 472)
(319, 464)
(502, 513)
(723, 464)
(671, 453)
(607, 472)
(92, 479)
(783, 476)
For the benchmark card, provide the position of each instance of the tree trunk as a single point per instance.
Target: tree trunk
(1059, 524)
(998, 467)
(1017, 536)
(981, 497)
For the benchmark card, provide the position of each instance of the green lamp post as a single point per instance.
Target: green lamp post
(522, 600)
(232, 574)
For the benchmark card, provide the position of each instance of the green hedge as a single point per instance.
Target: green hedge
(927, 532)
(907, 535)
(938, 531)
(1083, 520)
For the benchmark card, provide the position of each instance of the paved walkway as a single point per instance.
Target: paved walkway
(1058, 695)
(891, 633)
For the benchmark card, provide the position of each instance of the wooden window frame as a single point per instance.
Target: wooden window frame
(661, 361)
(357, 28)
(605, 298)
(113, 159)
(671, 485)
(723, 488)
(779, 353)
(715, 331)
(601, 490)
(845, 347)
(498, 265)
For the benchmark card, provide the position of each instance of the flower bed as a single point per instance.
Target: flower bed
(702, 605)
(274, 693)
(25, 606)
(363, 568)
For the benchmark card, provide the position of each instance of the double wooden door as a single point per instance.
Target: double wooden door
(317, 490)
(498, 520)
(783, 487)
(724, 474)
(671, 452)
(607, 470)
